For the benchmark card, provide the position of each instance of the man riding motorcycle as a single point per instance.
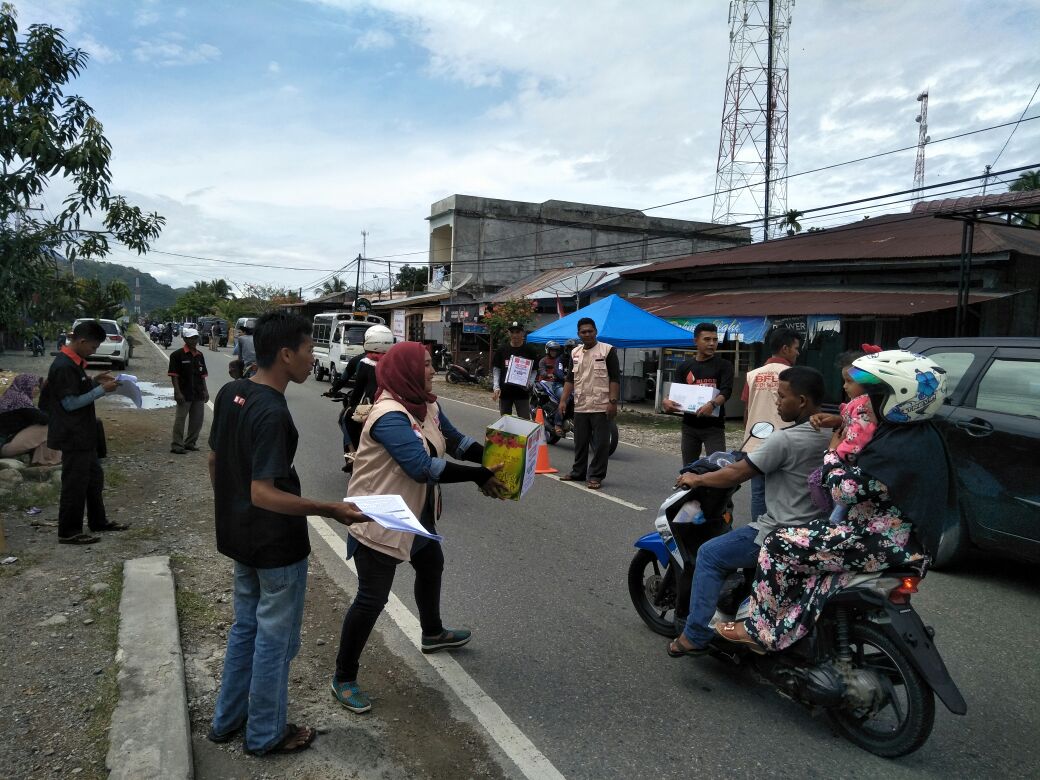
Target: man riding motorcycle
(786, 459)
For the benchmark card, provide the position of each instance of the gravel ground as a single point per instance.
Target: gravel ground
(59, 614)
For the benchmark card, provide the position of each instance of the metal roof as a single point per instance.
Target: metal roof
(1002, 202)
(763, 303)
(892, 237)
(565, 282)
(412, 300)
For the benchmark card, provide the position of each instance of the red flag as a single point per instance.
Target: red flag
(559, 307)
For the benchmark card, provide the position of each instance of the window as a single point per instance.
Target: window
(956, 365)
(355, 334)
(1011, 387)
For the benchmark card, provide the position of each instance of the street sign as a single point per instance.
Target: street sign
(362, 304)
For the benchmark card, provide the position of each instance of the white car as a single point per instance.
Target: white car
(115, 349)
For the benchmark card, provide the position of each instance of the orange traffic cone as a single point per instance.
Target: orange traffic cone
(542, 465)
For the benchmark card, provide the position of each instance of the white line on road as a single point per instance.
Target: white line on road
(528, 759)
(596, 493)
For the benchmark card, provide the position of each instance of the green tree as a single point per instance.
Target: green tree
(410, 278)
(45, 133)
(333, 285)
(102, 301)
(1027, 181)
(790, 221)
(505, 313)
(262, 298)
(221, 289)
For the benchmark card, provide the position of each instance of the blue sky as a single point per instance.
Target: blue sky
(275, 131)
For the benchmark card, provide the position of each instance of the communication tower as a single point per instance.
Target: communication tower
(922, 140)
(751, 175)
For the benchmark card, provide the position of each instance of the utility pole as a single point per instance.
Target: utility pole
(922, 140)
(357, 285)
(985, 178)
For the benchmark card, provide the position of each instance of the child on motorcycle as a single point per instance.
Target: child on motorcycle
(856, 420)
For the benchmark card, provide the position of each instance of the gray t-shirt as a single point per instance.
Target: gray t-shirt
(786, 459)
(244, 348)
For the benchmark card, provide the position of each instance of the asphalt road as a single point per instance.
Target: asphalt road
(557, 644)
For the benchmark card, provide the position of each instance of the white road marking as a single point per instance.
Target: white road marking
(514, 743)
(596, 493)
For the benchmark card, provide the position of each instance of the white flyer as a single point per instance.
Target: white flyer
(392, 513)
(692, 397)
(518, 371)
(128, 387)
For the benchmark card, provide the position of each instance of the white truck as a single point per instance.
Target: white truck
(339, 336)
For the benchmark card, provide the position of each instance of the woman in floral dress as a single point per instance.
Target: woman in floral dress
(902, 473)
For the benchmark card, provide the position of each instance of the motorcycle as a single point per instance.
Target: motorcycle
(870, 663)
(441, 358)
(469, 371)
(546, 397)
(166, 338)
(36, 345)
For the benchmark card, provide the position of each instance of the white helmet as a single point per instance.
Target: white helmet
(905, 387)
(378, 338)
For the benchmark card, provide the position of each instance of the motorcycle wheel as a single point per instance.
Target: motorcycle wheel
(653, 593)
(319, 373)
(452, 377)
(904, 721)
(550, 434)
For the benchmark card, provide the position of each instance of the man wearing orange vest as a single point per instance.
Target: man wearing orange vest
(759, 397)
(595, 381)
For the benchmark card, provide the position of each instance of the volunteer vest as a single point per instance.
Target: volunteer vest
(376, 473)
(591, 382)
(762, 384)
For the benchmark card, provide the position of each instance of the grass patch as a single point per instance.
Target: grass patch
(25, 562)
(142, 533)
(30, 493)
(115, 477)
(657, 422)
(194, 612)
(105, 612)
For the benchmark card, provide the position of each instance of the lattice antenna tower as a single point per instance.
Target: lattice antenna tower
(922, 140)
(751, 174)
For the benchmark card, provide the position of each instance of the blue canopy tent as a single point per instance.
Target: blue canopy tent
(620, 324)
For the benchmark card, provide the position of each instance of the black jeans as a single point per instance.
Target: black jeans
(375, 578)
(591, 432)
(713, 440)
(82, 482)
(522, 406)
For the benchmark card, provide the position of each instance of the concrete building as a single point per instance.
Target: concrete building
(492, 243)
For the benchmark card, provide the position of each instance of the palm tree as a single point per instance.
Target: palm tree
(790, 221)
(221, 289)
(333, 285)
(1028, 181)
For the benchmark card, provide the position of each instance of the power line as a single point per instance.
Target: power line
(1013, 129)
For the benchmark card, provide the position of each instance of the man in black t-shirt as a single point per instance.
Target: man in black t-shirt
(707, 426)
(188, 373)
(513, 394)
(261, 523)
(68, 398)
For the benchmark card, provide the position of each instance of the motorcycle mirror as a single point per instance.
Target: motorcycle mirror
(762, 430)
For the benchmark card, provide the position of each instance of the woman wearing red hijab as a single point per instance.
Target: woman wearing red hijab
(402, 452)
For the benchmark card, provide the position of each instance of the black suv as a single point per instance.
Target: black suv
(991, 423)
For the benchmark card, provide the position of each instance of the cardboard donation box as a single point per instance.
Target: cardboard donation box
(513, 442)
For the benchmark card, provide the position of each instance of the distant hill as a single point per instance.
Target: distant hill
(154, 294)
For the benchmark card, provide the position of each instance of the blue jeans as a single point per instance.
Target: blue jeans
(716, 558)
(265, 637)
(758, 496)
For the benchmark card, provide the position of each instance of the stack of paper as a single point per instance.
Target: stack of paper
(392, 513)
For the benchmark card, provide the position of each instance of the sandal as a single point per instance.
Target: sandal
(593, 484)
(79, 539)
(227, 736)
(295, 739)
(678, 647)
(738, 635)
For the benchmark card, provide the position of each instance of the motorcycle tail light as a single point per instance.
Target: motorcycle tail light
(901, 593)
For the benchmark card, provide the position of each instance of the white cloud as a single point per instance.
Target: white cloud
(374, 39)
(274, 67)
(168, 51)
(98, 51)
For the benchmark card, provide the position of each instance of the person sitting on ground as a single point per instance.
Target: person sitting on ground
(23, 427)
(403, 452)
(785, 459)
(899, 493)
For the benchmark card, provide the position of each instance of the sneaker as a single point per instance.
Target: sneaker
(350, 696)
(448, 638)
